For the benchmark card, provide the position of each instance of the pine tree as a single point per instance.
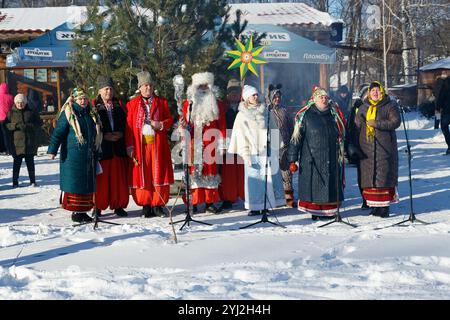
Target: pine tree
(164, 37)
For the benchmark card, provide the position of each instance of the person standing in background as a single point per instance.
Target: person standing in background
(23, 123)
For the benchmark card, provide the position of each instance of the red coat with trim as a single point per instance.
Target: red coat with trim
(209, 177)
(159, 111)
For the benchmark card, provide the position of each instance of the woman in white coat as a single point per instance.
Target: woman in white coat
(249, 140)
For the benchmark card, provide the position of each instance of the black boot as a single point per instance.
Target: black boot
(254, 213)
(226, 205)
(375, 212)
(211, 208)
(159, 212)
(364, 205)
(147, 212)
(97, 212)
(81, 217)
(120, 212)
(384, 212)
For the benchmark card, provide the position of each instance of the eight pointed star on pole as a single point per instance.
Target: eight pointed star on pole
(246, 57)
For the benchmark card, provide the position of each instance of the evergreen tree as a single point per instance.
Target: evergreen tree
(164, 37)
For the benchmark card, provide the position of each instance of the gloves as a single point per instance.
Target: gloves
(293, 167)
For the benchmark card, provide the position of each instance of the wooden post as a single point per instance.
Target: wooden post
(323, 76)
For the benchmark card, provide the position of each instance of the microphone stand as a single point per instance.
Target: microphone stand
(412, 217)
(338, 217)
(188, 217)
(265, 211)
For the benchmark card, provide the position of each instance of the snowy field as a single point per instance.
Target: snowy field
(42, 256)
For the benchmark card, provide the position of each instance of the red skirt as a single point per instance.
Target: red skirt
(380, 197)
(318, 209)
(78, 202)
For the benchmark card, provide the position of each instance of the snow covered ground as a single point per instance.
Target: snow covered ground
(43, 257)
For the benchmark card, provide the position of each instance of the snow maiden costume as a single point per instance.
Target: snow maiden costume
(318, 145)
(249, 140)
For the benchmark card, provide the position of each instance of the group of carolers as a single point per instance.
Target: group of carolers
(108, 151)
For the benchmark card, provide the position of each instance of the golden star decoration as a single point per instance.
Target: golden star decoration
(246, 57)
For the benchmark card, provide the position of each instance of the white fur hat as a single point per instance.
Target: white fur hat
(248, 92)
(202, 78)
(20, 98)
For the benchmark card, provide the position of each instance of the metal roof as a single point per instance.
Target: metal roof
(28, 20)
(441, 64)
(282, 13)
(32, 20)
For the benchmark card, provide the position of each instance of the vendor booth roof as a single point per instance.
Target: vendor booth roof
(51, 49)
(283, 46)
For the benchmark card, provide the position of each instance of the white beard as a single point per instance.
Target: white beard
(204, 108)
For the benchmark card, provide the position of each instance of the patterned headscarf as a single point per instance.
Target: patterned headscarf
(67, 109)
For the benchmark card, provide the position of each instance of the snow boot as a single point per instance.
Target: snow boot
(384, 212)
(81, 217)
(375, 212)
(98, 212)
(159, 212)
(211, 208)
(364, 205)
(147, 212)
(226, 205)
(254, 213)
(120, 212)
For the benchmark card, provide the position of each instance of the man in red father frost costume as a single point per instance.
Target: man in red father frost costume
(208, 130)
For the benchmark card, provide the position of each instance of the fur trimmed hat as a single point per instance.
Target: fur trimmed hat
(144, 77)
(248, 91)
(104, 81)
(20, 98)
(202, 78)
(233, 85)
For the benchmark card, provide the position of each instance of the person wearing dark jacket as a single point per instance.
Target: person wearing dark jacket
(232, 174)
(376, 121)
(343, 98)
(112, 185)
(285, 124)
(34, 100)
(318, 145)
(443, 106)
(79, 135)
(352, 148)
(23, 123)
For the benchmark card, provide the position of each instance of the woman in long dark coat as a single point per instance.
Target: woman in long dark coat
(23, 124)
(78, 133)
(377, 120)
(318, 145)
